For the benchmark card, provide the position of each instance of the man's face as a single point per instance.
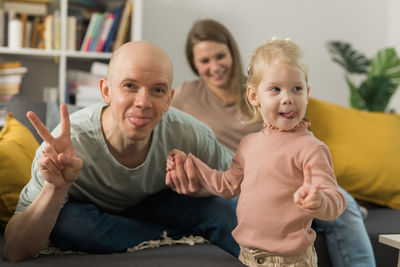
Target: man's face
(139, 94)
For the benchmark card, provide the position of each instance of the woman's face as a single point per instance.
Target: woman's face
(213, 62)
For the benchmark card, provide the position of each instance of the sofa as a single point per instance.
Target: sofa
(380, 219)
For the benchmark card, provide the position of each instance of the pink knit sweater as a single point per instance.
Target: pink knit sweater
(266, 171)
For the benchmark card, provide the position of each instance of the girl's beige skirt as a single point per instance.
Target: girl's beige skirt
(255, 258)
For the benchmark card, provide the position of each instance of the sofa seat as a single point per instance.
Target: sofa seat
(200, 255)
(380, 220)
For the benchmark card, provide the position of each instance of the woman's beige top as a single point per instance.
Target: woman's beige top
(196, 99)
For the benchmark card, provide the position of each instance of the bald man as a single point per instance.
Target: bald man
(98, 180)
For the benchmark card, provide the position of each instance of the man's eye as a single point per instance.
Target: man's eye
(129, 85)
(159, 91)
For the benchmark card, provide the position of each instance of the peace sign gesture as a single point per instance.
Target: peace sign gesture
(58, 163)
(308, 196)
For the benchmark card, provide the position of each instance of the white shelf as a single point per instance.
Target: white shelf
(30, 52)
(89, 55)
(63, 54)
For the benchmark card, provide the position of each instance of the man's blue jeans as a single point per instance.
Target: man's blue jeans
(84, 227)
(347, 239)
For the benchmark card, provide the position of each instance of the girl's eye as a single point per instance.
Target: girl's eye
(275, 89)
(297, 88)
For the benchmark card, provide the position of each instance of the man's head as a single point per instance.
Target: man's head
(138, 89)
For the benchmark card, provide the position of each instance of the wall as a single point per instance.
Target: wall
(368, 25)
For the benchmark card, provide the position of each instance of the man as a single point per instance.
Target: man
(99, 186)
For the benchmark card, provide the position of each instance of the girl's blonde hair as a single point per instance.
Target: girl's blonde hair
(284, 51)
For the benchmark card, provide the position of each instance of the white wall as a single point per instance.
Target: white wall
(368, 25)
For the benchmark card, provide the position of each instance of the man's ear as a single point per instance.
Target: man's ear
(252, 96)
(170, 97)
(105, 90)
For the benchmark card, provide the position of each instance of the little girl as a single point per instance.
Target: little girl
(283, 173)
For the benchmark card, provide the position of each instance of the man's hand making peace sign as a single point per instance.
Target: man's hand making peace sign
(58, 163)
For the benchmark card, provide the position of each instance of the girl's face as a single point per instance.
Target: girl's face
(281, 96)
(213, 62)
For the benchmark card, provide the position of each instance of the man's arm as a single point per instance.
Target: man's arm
(28, 232)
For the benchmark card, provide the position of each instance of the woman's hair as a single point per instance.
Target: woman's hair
(211, 30)
(285, 52)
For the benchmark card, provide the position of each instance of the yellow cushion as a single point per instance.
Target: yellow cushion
(17, 149)
(365, 148)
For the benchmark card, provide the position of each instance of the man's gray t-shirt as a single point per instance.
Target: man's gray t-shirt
(113, 187)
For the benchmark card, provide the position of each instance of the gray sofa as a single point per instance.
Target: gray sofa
(380, 220)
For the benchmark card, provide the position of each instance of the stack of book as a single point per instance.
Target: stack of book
(84, 86)
(11, 74)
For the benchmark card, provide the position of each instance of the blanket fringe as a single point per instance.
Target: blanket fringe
(164, 241)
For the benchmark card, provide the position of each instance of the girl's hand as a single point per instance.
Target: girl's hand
(308, 196)
(181, 175)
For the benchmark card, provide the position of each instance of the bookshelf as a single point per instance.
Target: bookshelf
(62, 58)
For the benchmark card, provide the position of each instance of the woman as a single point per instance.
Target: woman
(214, 56)
(215, 98)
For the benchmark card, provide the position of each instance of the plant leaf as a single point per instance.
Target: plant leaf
(386, 63)
(376, 91)
(356, 100)
(351, 60)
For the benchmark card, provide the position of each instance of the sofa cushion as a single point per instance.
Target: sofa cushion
(365, 149)
(17, 149)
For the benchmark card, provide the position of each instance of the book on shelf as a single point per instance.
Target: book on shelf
(12, 71)
(2, 27)
(28, 32)
(104, 32)
(99, 69)
(31, 8)
(15, 33)
(71, 33)
(56, 30)
(10, 65)
(31, 1)
(48, 32)
(123, 26)
(87, 40)
(97, 32)
(5, 28)
(87, 95)
(111, 36)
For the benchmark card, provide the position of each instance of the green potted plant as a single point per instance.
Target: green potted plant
(381, 75)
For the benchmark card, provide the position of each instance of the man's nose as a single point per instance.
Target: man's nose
(142, 98)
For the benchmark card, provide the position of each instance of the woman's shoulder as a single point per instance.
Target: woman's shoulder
(187, 92)
(191, 86)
